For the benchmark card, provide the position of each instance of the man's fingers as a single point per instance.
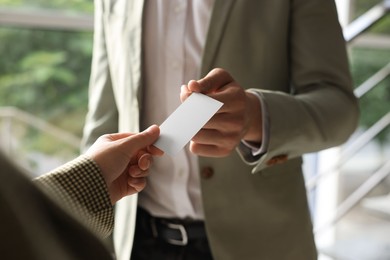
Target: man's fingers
(184, 92)
(209, 150)
(214, 80)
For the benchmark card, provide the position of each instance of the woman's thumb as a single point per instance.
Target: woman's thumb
(144, 138)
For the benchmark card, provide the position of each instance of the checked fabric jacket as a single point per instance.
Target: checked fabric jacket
(58, 216)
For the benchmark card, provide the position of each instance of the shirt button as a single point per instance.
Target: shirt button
(207, 173)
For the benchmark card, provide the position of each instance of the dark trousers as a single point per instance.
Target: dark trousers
(169, 239)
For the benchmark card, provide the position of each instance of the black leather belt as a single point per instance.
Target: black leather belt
(178, 232)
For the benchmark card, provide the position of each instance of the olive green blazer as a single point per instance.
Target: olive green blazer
(293, 54)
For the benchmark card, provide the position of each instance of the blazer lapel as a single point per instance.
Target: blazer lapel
(221, 11)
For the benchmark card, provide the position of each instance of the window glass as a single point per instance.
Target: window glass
(363, 193)
(43, 89)
(66, 5)
(369, 53)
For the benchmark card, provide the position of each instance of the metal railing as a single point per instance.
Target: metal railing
(354, 198)
(366, 20)
(11, 115)
(367, 136)
(48, 20)
(352, 31)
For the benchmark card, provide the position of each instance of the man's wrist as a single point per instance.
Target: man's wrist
(259, 146)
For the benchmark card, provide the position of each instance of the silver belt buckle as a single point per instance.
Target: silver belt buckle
(183, 232)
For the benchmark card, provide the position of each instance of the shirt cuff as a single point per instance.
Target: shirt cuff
(255, 150)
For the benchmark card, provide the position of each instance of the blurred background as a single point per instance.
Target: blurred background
(46, 48)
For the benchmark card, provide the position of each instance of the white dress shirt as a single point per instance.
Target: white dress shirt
(174, 37)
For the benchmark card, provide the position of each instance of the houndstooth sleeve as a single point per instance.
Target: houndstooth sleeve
(79, 187)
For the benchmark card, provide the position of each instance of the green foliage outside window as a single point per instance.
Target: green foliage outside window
(59, 5)
(366, 61)
(46, 73)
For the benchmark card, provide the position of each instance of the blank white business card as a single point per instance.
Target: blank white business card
(183, 124)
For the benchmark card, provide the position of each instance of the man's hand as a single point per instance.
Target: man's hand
(238, 119)
(124, 160)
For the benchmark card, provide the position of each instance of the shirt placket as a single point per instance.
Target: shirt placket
(174, 59)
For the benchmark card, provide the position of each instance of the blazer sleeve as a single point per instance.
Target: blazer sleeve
(79, 188)
(102, 116)
(321, 110)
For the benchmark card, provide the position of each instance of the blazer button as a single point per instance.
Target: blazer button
(277, 159)
(207, 172)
